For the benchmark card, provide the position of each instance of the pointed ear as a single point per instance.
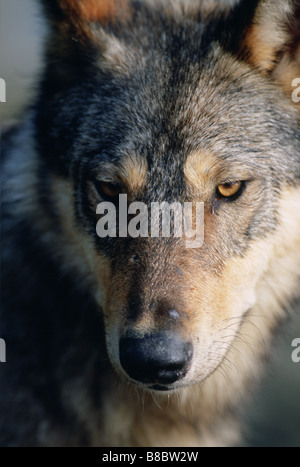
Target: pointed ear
(78, 16)
(82, 34)
(272, 41)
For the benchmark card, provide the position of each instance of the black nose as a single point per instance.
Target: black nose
(161, 358)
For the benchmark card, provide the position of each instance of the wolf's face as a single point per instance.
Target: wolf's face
(171, 104)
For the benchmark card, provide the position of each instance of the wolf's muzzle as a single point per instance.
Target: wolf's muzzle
(158, 359)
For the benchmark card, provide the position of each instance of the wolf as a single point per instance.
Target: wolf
(142, 341)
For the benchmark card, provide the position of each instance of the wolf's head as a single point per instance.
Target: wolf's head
(184, 101)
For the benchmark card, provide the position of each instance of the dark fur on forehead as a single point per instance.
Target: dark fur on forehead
(153, 106)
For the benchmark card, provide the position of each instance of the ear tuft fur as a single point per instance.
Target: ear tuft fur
(272, 42)
(86, 10)
(94, 10)
(76, 17)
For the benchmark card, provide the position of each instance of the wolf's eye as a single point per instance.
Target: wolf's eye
(108, 191)
(230, 190)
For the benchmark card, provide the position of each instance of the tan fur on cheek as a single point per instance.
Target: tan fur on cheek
(216, 303)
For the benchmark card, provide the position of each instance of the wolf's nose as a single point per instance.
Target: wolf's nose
(161, 358)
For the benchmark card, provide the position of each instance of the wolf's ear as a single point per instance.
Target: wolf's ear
(272, 40)
(82, 32)
(79, 16)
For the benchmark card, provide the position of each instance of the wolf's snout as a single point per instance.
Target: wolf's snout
(160, 358)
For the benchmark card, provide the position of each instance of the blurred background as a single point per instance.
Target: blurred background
(273, 416)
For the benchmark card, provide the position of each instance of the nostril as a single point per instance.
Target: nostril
(161, 358)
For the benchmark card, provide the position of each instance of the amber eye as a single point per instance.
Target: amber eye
(230, 190)
(108, 191)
